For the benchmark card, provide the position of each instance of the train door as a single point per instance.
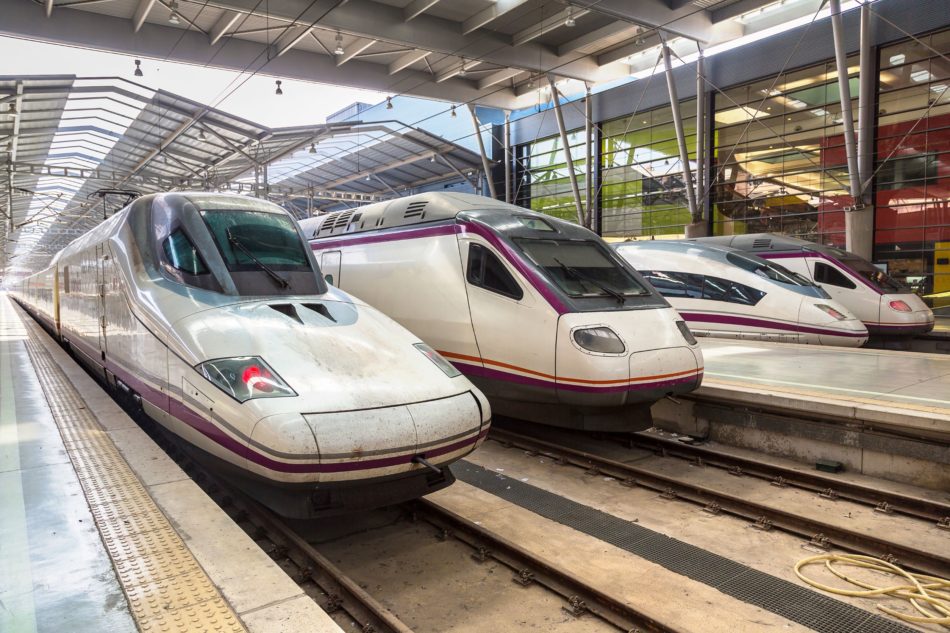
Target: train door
(515, 330)
(101, 297)
(330, 267)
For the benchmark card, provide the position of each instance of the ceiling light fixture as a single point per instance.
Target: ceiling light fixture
(462, 71)
(202, 136)
(279, 90)
(432, 160)
(339, 45)
(313, 148)
(138, 68)
(173, 7)
(569, 22)
(389, 103)
(453, 112)
(11, 109)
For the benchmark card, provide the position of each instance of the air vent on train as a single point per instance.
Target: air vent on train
(288, 309)
(416, 209)
(320, 309)
(761, 243)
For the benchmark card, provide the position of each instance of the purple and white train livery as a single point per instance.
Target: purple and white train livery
(725, 293)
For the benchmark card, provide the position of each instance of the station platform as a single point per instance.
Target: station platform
(101, 531)
(884, 412)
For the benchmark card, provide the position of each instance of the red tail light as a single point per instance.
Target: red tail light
(257, 378)
(900, 306)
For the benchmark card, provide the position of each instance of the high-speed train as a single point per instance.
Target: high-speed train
(886, 306)
(210, 311)
(725, 293)
(540, 313)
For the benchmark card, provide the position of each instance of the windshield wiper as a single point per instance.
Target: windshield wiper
(283, 283)
(573, 272)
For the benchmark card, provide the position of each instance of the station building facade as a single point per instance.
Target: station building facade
(775, 144)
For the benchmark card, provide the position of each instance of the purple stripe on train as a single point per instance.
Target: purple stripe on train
(729, 319)
(512, 256)
(494, 374)
(182, 412)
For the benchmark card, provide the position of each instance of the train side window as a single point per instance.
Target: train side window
(671, 284)
(486, 271)
(825, 274)
(717, 289)
(182, 254)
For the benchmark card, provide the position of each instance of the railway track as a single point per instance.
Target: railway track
(339, 593)
(819, 533)
(881, 500)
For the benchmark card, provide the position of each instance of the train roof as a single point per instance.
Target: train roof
(768, 242)
(422, 208)
(716, 252)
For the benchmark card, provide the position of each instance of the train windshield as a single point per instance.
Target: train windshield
(871, 273)
(249, 240)
(777, 274)
(582, 268)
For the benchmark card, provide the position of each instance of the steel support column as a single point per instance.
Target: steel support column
(588, 173)
(556, 98)
(680, 135)
(847, 121)
(486, 164)
(859, 224)
(699, 226)
(508, 157)
(12, 227)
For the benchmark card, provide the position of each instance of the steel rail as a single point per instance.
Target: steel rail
(529, 568)
(886, 501)
(821, 533)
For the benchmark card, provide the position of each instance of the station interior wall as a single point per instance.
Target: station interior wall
(776, 151)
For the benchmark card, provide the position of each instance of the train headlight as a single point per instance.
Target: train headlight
(245, 377)
(900, 306)
(602, 340)
(831, 312)
(684, 330)
(447, 368)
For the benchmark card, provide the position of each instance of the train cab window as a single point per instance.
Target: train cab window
(679, 285)
(486, 271)
(826, 274)
(718, 289)
(182, 254)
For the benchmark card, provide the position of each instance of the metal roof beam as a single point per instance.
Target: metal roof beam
(485, 16)
(594, 36)
(546, 25)
(15, 136)
(454, 70)
(407, 60)
(291, 39)
(417, 7)
(415, 158)
(497, 77)
(141, 13)
(355, 50)
(222, 25)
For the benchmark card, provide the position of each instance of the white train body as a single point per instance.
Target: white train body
(886, 306)
(477, 279)
(316, 400)
(725, 293)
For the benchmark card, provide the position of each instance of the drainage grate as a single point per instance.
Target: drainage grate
(793, 602)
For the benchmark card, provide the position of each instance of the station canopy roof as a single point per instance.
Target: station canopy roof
(65, 138)
(490, 52)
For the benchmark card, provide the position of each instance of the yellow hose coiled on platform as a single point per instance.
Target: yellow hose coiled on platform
(918, 589)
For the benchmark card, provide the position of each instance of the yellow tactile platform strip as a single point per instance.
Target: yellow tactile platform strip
(166, 588)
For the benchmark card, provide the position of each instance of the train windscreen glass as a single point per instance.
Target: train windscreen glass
(582, 268)
(249, 239)
(777, 274)
(877, 277)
